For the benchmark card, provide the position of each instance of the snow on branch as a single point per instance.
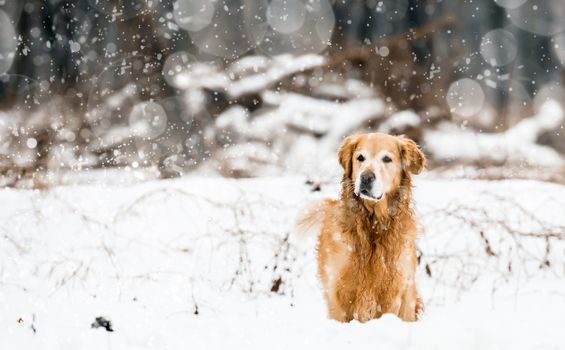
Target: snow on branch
(250, 75)
(257, 142)
(516, 146)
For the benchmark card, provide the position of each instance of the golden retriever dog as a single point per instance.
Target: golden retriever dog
(367, 238)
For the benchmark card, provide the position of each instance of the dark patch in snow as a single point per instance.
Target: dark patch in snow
(196, 312)
(315, 186)
(276, 285)
(20, 320)
(102, 322)
(32, 326)
(428, 270)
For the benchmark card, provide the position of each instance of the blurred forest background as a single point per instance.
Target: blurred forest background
(249, 88)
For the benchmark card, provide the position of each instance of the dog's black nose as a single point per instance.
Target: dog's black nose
(367, 179)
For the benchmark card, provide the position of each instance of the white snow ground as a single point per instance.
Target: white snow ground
(190, 264)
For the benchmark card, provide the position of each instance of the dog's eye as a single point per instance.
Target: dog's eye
(387, 159)
(360, 158)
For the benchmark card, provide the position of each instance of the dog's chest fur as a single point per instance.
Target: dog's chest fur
(368, 265)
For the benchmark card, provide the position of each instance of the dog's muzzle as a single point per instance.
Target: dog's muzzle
(367, 182)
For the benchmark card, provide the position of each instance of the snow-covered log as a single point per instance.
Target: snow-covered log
(516, 146)
(250, 75)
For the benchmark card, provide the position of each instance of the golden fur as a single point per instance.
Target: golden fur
(366, 248)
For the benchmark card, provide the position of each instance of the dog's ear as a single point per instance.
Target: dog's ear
(345, 153)
(413, 159)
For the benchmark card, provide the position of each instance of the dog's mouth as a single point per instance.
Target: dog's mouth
(366, 194)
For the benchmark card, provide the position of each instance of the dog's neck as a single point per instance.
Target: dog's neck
(381, 216)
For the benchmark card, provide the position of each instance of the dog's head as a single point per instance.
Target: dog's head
(375, 164)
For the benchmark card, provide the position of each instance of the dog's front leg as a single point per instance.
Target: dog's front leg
(411, 305)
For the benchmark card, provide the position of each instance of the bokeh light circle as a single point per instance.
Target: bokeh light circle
(90, 37)
(499, 47)
(147, 120)
(235, 28)
(558, 47)
(117, 90)
(12, 8)
(286, 16)
(543, 17)
(313, 36)
(518, 102)
(465, 97)
(510, 4)
(391, 10)
(553, 91)
(175, 64)
(325, 22)
(193, 15)
(8, 43)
